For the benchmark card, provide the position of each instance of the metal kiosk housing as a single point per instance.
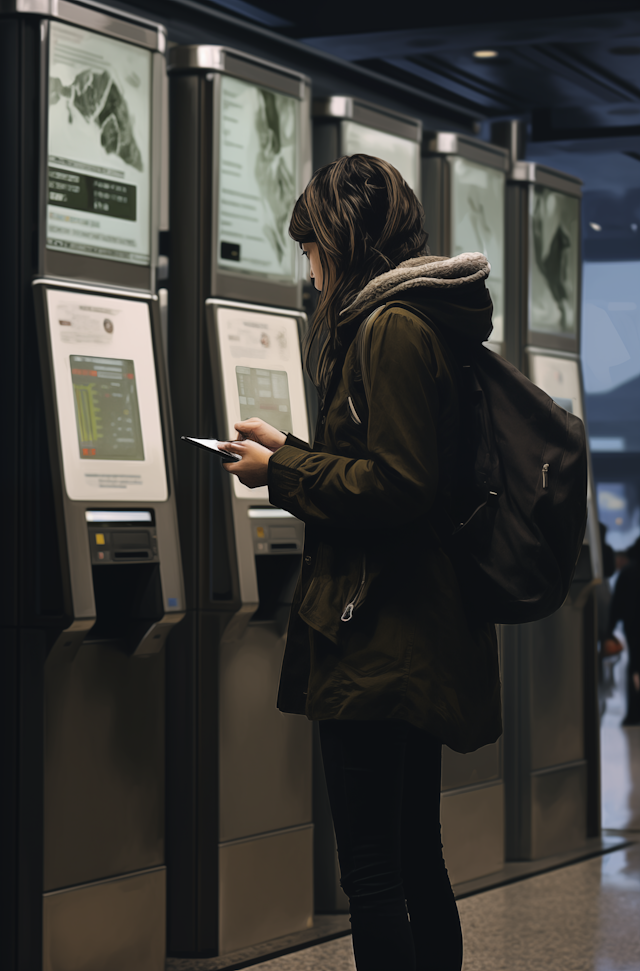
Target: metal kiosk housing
(239, 807)
(552, 759)
(464, 174)
(94, 574)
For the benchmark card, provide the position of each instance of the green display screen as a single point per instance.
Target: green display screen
(106, 408)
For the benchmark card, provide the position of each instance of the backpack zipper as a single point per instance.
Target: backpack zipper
(545, 475)
(354, 413)
(347, 613)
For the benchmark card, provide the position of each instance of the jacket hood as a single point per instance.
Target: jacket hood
(450, 290)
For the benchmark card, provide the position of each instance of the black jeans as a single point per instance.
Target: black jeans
(383, 779)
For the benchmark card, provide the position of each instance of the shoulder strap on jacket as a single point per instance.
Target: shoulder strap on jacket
(363, 348)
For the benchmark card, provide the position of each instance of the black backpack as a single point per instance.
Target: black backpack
(515, 530)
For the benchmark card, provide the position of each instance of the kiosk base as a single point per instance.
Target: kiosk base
(117, 923)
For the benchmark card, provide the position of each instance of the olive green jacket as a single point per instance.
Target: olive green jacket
(378, 626)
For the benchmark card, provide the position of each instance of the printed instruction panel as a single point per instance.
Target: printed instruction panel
(107, 397)
(259, 133)
(261, 375)
(99, 158)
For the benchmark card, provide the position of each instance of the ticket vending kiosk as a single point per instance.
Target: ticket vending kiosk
(551, 714)
(464, 197)
(239, 807)
(95, 581)
(350, 126)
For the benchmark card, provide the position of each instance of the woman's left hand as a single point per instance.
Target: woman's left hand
(252, 470)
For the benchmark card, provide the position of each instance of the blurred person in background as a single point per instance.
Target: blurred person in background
(609, 647)
(625, 607)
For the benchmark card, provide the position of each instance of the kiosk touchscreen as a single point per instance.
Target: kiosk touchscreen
(261, 371)
(349, 126)
(107, 397)
(464, 195)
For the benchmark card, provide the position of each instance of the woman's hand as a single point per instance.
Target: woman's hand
(253, 467)
(257, 430)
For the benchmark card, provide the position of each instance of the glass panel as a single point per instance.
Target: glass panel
(554, 261)
(99, 137)
(477, 224)
(403, 153)
(259, 131)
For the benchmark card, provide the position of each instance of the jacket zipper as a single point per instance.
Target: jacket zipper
(354, 413)
(545, 475)
(347, 613)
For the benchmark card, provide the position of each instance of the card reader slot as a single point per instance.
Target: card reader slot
(284, 546)
(132, 555)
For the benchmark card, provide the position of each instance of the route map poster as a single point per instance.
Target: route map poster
(258, 185)
(99, 185)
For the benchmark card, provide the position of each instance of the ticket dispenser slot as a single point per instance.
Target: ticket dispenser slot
(278, 539)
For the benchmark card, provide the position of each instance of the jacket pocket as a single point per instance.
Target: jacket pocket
(353, 414)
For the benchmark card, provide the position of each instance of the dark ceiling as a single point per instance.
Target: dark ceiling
(573, 77)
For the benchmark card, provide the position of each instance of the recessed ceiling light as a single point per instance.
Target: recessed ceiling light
(596, 226)
(625, 51)
(485, 54)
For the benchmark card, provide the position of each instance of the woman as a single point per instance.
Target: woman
(380, 650)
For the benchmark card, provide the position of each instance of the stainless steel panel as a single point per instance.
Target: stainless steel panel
(556, 688)
(472, 823)
(265, 755)
(104, 764)
(116, 924)
(456, 143)
(266, 888)
(558, 810)
(366, 113)
(458, 770)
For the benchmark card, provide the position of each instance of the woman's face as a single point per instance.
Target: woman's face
(311, 252)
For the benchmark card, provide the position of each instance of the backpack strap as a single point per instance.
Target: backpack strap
(363, 349)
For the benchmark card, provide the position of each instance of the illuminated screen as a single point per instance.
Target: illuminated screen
(258, 181)
(477, 225)
(106, 404)
(554, 267)
(264, 394)
(106, 392)
(402, 153)
(99, 186)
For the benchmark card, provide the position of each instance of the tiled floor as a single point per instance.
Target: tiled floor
(585, 917)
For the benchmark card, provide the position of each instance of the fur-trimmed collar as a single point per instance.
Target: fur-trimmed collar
(439, 272)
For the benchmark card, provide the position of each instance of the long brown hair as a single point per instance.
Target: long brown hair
(366, 220)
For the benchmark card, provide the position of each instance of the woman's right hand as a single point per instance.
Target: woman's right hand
(257, 430)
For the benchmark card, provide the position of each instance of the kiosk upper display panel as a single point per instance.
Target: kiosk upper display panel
(402, 153)
(258, 182)
(555, 266)
(477, 224)
(99, 137)
(107, 397)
